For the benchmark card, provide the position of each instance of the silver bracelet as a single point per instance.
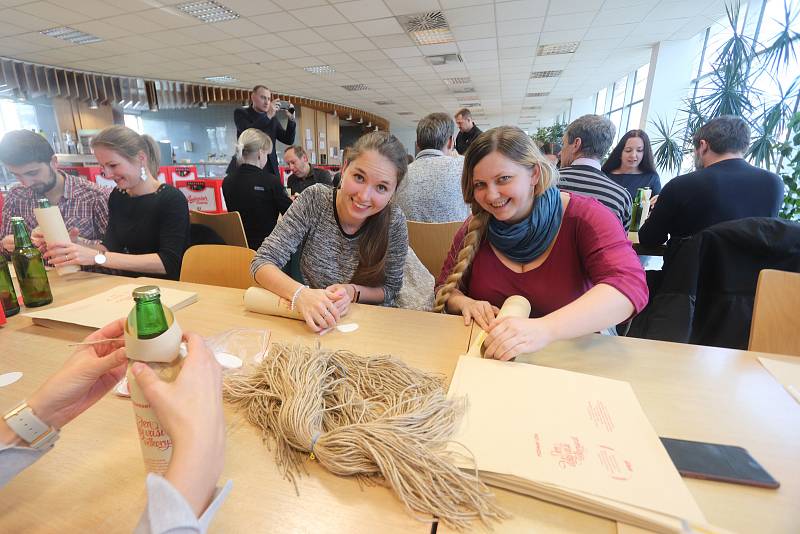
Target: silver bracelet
(294, 297)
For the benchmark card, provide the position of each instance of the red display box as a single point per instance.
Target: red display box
(203, 194)
(97, 176)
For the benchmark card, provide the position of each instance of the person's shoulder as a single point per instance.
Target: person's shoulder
(19, 192)
(397, 215)
(317, 193)
(242, 111)
(583, 209)
(321, 173)
(168, 193)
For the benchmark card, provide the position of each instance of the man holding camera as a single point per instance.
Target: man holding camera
(262, 114)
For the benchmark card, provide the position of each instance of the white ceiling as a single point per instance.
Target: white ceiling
(274, 40)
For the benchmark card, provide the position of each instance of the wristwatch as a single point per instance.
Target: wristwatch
(100, 258)
(30, 428)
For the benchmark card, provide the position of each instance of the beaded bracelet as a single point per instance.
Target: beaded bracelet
(294, 297)
(356, 293)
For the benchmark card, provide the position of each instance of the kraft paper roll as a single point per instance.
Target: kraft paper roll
(163, 348)
(259, 300)
(514, 306)
(55, 231)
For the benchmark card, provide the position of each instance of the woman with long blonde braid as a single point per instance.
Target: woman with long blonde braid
(566, 253)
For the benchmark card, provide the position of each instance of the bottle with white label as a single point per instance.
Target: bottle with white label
(152, 336)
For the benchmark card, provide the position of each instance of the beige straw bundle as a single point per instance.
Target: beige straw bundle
(374, 418)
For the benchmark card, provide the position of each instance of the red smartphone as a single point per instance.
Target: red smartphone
(712, 461)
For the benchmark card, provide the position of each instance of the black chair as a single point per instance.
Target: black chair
(707, 289)
(200, 234)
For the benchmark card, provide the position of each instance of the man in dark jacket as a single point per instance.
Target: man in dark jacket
(723, 188)
(304, 174)
(468, 131)
(262, 114)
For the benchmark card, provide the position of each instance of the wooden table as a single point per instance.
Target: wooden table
(696, 393)
(94, 479)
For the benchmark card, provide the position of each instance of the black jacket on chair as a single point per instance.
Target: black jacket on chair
(708, 287)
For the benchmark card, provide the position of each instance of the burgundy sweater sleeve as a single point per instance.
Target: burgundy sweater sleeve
(452, 256)
(607, 255)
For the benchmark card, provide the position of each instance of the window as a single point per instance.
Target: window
(17, 116)
(134, 122)
(623, 101)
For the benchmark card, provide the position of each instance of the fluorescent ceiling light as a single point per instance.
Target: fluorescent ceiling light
(384, 102)
(405, 113)
(320, 69)
(356, 87)
(558, 48)
(71, 35)
(457, 81)
(221, 79)
(427, 28)
(208, 11)
(546, 74)
(538, 94)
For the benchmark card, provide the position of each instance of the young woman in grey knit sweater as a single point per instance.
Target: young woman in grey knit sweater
(353, 240)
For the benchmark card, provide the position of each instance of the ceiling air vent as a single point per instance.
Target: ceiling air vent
(546, 74)
(534, 95)
(427, 28)
(221, 79)
(384, 102)
(444, 59)
(405, 113)
(356, 87)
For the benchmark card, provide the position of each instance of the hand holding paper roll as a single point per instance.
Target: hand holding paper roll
(52, 227)
(310, 306)
(502, 330)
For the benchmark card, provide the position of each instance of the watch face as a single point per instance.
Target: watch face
(100, 259)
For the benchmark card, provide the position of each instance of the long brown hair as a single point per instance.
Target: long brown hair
(127, 143)
(514, 144)
(374, 241)
(614, 161)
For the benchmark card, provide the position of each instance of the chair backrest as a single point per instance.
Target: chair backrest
(227, 225)
(218, 265)
(431, 242)
(776, 314)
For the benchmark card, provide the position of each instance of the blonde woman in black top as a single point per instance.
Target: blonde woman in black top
(256, 194)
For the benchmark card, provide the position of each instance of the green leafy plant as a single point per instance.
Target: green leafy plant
(549, 134)
(730, 89)
(668, 151)
(790, 170)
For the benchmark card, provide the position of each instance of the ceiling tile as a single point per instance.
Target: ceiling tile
(23, 20)
(406, 51)
(266, 41)
(318, 16)
(369, 55)
(203, 33)
(522, 9)
(563, 7)
(514, 41)
(468, 16)
(520, 27)
(248, 8)
(239, 28)
(297, 37)
(54, 13)
(606, 32)
(353, 45)
(287, 52)
(405, 7)
(363, 10)
(392, 41)
(434, 50)
(626, 15)
(377, 27)
(410, 61)
(277, 21)
(339, 31)
(233, 45)
(477, 31)
(572, 21)
(478, 44)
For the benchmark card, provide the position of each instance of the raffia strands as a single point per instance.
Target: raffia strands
(372, 418)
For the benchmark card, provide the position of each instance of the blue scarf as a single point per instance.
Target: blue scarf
(528, 239)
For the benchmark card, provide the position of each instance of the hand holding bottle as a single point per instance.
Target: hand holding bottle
(190, 410)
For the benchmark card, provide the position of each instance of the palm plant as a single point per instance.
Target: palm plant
(669, 152)
(729, 89)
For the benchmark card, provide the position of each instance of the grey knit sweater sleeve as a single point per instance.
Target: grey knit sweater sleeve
(329, 255)
(290, 231)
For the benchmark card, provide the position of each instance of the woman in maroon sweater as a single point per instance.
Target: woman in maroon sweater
(567, 254)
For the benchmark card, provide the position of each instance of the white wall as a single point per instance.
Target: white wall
(406, 135)
(669, 80)
(581, 106)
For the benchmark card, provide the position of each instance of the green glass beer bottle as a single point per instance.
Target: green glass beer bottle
(8, 297)
(150, 319)
(28, 263)
(42, 203)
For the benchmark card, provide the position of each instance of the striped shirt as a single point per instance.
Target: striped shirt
(84, 205)
(328, 255)
(589, 181)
